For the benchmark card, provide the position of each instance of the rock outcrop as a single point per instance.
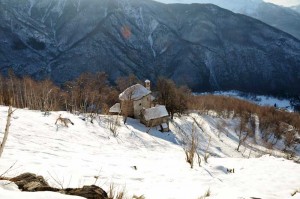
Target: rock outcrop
(29, 182)
(89, 192)
(32, 182)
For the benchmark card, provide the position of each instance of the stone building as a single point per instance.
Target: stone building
(134, 99)
(156, 116)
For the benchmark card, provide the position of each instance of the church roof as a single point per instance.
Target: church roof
(158, 111)
(134, 92)
(115, 108)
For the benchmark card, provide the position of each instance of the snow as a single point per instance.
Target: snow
(115, 108)
(153, 25)
(164, 125)
(9, 190)
(158, 111)
(30, 7)
(60, 7)
(134, 92)
(75, 155)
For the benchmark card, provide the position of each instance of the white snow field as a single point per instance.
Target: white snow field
(87, 153)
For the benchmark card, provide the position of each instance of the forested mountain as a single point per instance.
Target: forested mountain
(201, 45)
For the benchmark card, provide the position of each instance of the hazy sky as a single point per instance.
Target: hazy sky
(285, 2)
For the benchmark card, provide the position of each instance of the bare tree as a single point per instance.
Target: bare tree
(127, 104)
(126, 81)
(175, 99)
(290, 138)
(9, 114)
(206, 154)
(244, 129)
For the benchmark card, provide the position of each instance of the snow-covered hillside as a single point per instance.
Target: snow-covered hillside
(78, 155)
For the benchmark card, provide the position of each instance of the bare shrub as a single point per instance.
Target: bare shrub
(221, 127)
(126, 81)
(206, 154)
(113, 193)
(295, 192)
(206, 194)
(191, 148)
(138, 197)
(289, 139)
(59, 182)
(113, 124)
(269, 117)
(245, 129)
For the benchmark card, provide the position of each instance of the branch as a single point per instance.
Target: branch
(8, 169)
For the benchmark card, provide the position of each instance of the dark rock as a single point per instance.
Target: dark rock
(89, 192)
(47, 188)
(29, 182)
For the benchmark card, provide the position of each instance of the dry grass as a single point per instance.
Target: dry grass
(114, 193)
(206, 194)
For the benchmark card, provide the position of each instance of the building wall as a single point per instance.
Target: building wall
(155, 122)
(138, 105)
(127, 108)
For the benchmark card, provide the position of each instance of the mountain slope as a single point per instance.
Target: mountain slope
(280, 17)
(87, 153)
(296, 8)
(203, 46)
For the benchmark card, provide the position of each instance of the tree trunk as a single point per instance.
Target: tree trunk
(6, 130)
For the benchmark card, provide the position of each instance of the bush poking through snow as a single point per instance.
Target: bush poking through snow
(221, 128)
(206, 195)
(59, 182)
(245, 129)
(295, 192)
(114, 123)
(290, 138)
(206, 154)
(191, 149)
(115, 194)
(138, 197)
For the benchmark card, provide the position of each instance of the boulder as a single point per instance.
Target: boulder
(32, 182)
(29, 182)
(89, 192)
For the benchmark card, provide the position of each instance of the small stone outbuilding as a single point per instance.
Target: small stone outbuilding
(115, 109)
(156, 116)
